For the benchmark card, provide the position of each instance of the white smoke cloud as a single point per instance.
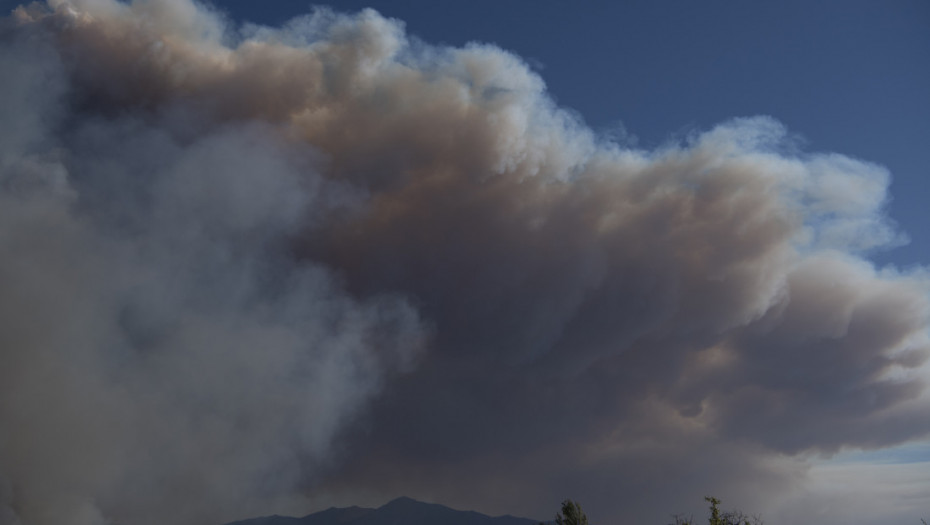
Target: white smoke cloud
(164, 358)
(223, 244)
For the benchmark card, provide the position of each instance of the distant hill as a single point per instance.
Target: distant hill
(401, 511)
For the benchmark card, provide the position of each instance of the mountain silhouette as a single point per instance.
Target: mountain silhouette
(401, 511)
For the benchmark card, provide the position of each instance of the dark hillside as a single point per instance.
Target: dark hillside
(401, 511)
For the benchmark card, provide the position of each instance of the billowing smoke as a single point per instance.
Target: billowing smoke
(165, 359)
(244, 264)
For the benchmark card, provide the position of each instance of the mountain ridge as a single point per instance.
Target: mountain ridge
(399, 511)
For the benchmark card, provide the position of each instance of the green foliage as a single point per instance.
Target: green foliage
(571, 514)
(714, 510)
(728, 518)
(718, 517)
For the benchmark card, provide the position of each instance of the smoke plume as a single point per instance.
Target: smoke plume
(246, 264)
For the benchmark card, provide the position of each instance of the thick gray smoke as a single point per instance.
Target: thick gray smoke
(165, 359)
(244, 264)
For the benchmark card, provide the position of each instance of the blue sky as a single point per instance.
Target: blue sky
(849, 77)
